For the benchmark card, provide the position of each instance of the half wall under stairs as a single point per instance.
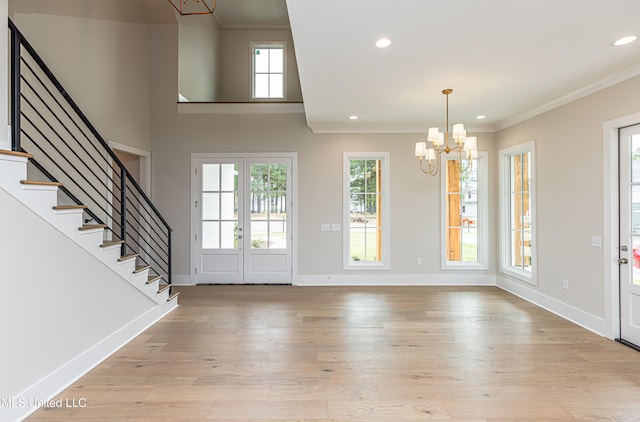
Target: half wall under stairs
(70, 299)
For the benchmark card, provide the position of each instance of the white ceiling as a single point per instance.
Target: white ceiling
(506, 59)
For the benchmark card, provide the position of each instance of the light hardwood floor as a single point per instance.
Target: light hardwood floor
(282, 353)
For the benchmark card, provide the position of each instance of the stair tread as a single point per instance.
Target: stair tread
(127, 257)
(173, 296)
(15, 153)
(69, 207)
(112, 243)
(141, 269)
(92, 226)
(152, 278)
(163, 288)
(40, 183)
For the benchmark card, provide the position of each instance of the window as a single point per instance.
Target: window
(464, 213)
(517, 217)
(366, 210)
(268, 71)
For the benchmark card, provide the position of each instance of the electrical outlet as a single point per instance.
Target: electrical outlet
(565, 284)
(419, 261)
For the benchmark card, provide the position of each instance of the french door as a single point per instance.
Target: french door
(630, 234)
(242, 219)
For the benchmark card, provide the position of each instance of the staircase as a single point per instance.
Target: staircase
(42, 198)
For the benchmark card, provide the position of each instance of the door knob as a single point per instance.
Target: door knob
(623, 261)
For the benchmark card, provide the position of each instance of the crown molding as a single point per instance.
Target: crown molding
(621, 74)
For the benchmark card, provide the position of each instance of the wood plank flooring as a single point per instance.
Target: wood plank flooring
(282, 353)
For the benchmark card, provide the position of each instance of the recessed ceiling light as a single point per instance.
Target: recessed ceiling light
(625, 40)
(383, 43)
(481, 116)
(354, 117)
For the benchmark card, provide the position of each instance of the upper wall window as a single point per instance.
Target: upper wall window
(464, 213)
(366, 211)
(517, 216)
(268, 70)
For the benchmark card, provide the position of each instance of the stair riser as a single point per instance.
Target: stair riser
(40, 201)
(66, 222)
(13, 169)
(110, 254)
(91, 241)
(161, 297)
(126, 268)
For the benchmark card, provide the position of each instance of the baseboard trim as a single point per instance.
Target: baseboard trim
(584, 319)
(47, 388)
(182, 280)
(395, 280)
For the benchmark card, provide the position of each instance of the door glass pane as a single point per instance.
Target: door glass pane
(210, 177)
(635, 209)
(210, 206)
(259, 177)
(229, 177)
(278, 233)
(229, 206)
(210, 235)
(259, 233)
(635, 158)
(636, 259)
(228, 235)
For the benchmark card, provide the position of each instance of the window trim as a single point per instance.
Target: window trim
(506, 268)
(268, 44)
(483, 215)
(384, 157)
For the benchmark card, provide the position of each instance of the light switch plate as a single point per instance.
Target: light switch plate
(325, 227)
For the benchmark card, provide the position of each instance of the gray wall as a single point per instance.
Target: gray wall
(236, 63)
(103, 65)
(570, 192)
(199, 57)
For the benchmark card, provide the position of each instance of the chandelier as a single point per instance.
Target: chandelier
(465, 146)
(194, 7)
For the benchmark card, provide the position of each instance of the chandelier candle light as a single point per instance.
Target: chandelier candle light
(465, 146)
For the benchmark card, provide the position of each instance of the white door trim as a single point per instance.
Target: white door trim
(194, 195)
(145, 163)
(611, 237)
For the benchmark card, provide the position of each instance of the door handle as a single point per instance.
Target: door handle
(623, 261)
(239, 236)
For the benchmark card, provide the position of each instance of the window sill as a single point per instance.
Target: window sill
(524, 276)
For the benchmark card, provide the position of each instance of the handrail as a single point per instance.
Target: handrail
(69, 149)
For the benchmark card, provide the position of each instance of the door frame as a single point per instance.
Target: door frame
(611, 238)
(243, 155)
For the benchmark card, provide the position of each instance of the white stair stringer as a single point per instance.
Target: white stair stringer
(42, 199)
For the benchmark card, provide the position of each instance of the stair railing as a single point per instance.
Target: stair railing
(47, 123)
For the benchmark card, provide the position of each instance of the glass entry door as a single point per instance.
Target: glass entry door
(242, 220)
(630, 234)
